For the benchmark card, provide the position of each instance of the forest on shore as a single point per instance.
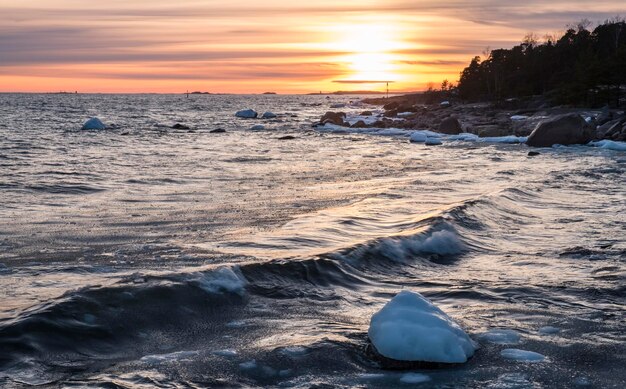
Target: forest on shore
(584, 67)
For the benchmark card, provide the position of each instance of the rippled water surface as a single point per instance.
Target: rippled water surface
(144, 256)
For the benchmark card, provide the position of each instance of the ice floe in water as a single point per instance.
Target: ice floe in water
(247, 114)
(249, 365)
(171, 357)
(498, 336)
(414, 378)
(433, 142)
(411, 328)
(609, 144)
(522, 355)
(549, 330)
(294, 351)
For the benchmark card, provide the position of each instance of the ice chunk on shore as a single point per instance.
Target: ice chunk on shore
(418, 137)
(414, 378)
(94, 124)
(501, 336)
(411, 328)
(247, 114)
(609, 144)
(522, 355)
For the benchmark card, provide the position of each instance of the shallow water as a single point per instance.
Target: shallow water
(144, 256)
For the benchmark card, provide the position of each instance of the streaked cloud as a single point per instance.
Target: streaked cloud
(248, 46)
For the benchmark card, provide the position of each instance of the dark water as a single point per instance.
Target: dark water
(143, 256)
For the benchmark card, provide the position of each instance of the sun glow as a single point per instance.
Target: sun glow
(371, 51)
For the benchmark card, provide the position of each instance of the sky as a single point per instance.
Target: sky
(245, 46)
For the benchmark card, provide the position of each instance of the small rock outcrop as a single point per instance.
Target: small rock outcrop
(247, 114)
(359, 124)
(450, 126)
(94, 124)
(268, 115)
(568, 129)
(334, 118)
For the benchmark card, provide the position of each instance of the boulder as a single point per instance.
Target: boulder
(268, 115)
(179, 126)
(491, 131)
(409, 329)
(94, 124)
(247, 114)
(391, 106)
(565, 129)
(450, 126)
(359, 124)
(366, 113)
(334, 118)
(257, 127)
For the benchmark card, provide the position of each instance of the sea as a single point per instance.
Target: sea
(143, 256)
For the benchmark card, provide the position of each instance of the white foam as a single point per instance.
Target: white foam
(411, 328)
(522, 355)
(228, 353)
(222, 280)
(501, 336)
(371, 376)
(519, 117)
(294, 351)
(609, 144)
(414, 378)
(402, 249)
(176, 356)
(249, 365)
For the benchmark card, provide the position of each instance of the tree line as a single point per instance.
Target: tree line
(582, 67)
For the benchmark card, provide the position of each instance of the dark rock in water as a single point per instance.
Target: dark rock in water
(568, 129)
(391, 106)
(391, 113)
(268, 115)
(179, 126)
(334, 118)
(287, 137)
(217, 131)
(359, 124)
(366, 113)
(533, 153)
(450, 126)
(125, 133)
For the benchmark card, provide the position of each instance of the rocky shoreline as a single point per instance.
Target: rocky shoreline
(552, 125)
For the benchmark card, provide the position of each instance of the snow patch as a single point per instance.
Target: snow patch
(522, 355)
(411, 328)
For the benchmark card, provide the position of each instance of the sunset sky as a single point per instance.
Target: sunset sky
(245, 46)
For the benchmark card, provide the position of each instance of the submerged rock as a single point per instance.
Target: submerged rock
(410, 331)
(533, 153)
(247, 114)
(566, 129)
(94, 124)
(217, 131)
(450, 126)
(179, 126)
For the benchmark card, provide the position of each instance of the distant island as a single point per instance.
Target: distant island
(199, 93)
(269, 93)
